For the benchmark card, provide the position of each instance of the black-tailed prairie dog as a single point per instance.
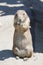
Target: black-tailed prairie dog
(22, 40)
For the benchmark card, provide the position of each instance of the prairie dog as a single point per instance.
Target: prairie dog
(22, 40)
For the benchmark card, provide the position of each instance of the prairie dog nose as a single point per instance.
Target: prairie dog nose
(20, 20)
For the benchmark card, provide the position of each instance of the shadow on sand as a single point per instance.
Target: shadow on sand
(4, 54)
(6, 10)
(10, 10)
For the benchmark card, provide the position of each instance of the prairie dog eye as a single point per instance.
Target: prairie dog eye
(16, 15)
(23, 13)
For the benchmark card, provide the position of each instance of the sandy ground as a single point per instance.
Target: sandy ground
(6, 37)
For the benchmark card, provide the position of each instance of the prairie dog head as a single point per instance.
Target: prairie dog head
(21, 21)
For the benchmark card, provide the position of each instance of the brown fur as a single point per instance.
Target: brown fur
(22, 40)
